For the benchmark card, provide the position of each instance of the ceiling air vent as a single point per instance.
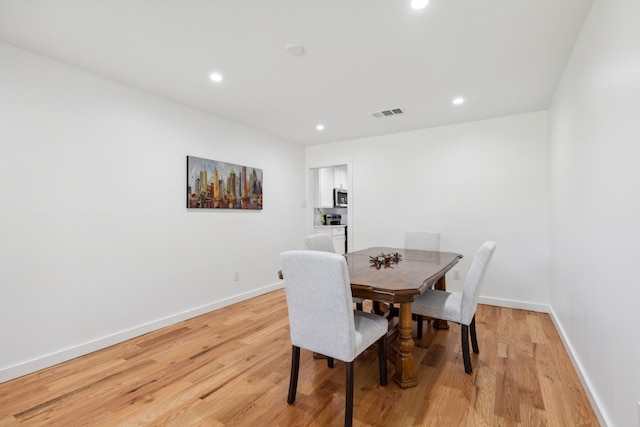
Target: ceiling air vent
(388, 113)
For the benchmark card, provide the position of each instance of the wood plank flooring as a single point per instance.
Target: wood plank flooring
(231, 368)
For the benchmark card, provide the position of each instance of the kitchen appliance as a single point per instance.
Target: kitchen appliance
(340, 198)
(332, 219)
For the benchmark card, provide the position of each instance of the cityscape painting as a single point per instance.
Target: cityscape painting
(218, 185)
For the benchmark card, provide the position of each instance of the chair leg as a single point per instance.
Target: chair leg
(474, 338)
(348, 410)
(293, 380)
(382, 359)
(393, 311)
(420, 320)
(330, 362)
(376, 308)
(465, 348)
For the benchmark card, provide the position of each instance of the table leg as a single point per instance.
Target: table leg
(441, 284)
(405, 374)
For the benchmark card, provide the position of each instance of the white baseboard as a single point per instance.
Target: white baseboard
(584, 379)
(36, 364)
(520, 305)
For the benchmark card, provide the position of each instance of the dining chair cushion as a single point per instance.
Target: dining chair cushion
(439, 304)
(368, 329)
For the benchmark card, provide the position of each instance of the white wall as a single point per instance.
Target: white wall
(595, 207)
(485, 180)
(96, 243)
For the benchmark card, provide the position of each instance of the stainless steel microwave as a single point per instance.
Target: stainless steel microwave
(340, 198)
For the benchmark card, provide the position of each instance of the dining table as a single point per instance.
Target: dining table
(396, 276)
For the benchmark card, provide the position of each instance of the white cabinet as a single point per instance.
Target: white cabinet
(340, 177)
(325, 186)
(325, 180)
(338, 234)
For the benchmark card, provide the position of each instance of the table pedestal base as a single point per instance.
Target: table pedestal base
(405, 374)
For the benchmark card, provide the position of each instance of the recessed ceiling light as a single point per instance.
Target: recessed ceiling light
(419, 4)
(320, 127)
(459, 100)
(216, 77)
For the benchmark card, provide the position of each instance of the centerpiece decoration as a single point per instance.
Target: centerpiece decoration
(385, 259)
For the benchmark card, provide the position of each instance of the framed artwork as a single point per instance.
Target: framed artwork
(212, 184)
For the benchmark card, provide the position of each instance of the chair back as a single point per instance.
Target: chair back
(474, 280)
(319, 242)
(319, 301)
(423, 240)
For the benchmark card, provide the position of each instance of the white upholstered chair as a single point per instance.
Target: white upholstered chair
(324, 242)
(424, 240)
(456, 307)
(322, 318)
(319, 242)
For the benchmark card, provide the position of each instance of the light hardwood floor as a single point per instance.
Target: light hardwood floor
(231, 367)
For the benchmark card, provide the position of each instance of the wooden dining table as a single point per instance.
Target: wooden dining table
(399, 282)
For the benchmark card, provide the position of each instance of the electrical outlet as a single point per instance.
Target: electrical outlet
(236, 276)
(456, 274)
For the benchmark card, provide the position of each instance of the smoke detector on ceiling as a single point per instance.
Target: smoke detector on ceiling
(295, 49)
(388, 113)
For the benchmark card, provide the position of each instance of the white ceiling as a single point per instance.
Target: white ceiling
(362, 56)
